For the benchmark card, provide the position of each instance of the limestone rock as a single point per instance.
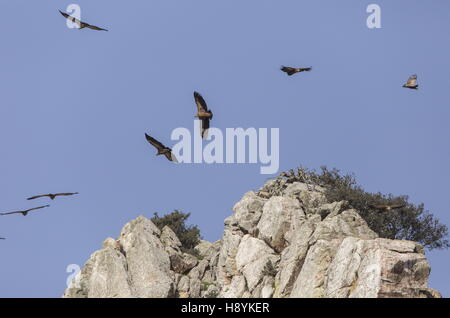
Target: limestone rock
(251, 259)
(195, 288)
(284, 241)
(182, 263)
(248, 211)
(293, 258)
(378, 268)
(235, 289)
(281, 217)
(198, 271)
(104, 276)
(170, 240)
(204, 248)
(148, 262)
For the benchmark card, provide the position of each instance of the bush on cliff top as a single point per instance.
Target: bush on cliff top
(411, 222)
(189, 236)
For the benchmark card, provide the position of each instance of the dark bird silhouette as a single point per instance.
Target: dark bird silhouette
(81, 24)
(162, 150)
(412, 82)
(293, 70)
(386, 208)
(52, 196)
(25, 212)
(203, 113)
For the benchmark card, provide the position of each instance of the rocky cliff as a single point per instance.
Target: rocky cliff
(293, 244)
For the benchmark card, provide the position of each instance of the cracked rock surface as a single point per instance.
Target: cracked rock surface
(294, 244)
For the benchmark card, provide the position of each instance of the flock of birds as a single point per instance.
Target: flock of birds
(204, 114)
(52, 196)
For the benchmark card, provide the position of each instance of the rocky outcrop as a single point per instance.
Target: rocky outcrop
(292, 244)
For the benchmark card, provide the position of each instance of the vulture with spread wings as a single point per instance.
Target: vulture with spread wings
(162, 150)
(412, 82)
(81, 24)
(293, 70)
(386, 208)
(203, 113)
(52, 195)
(25, 212)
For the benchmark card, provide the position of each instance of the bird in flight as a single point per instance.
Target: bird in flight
(203, 113)
(293, 70)
(387, 208)
(25, 212)
(412, 82)
(52, 195)
(162, 150)
(81, 25)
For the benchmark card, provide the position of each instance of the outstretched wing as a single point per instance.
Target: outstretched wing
(93, 27)
(378, 207)
(65, 194)
(81, 23)
(398, 206)
(204, 123)
(38, 196)
(201, 104)
(155, 143)
(171, 157)
(25, 212)
(412, 80)
(174, 159)
(73, 19)
(305, 69)
(289, 70)
(65, 15)
(15, 212)
(37, 208)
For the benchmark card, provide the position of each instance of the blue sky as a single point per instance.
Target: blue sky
(75, 105)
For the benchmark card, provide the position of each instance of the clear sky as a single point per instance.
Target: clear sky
(75, 105)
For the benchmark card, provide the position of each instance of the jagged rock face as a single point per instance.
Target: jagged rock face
(292, 244)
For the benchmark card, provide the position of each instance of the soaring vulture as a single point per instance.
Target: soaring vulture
(162, 150)
(387, 208)
(203, 113)
(52, 195)
(412, 82)
(25, 212)
(293, 70)
(81, 24)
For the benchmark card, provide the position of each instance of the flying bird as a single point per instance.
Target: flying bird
(203, 113)
(52, 196)
(81, 25)
(25, 212)
(293, 70)
(162, 150)
(387, 208)
(412, 82)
